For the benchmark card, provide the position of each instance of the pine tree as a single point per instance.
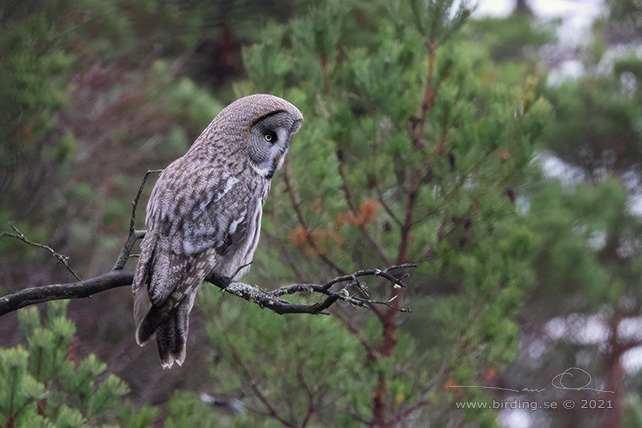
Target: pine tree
(412, 151)
(46, 384)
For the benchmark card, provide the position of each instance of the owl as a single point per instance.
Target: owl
(204, 215)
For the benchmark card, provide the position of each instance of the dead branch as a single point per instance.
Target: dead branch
(134, 235)
(73, 290)
(347, 288)
(265, 299)
(20, 236)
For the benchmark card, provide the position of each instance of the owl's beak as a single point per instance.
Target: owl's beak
(276, 164)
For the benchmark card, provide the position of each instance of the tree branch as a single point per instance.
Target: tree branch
(20, 236)
(74, 290)
(134, 235)
(266, 299)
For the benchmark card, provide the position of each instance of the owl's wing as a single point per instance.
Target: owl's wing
(201, 209)
(193, 219)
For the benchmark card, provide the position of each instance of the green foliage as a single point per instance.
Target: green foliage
(187, 410)
(589, 221)
(359, 156)
(81, 85)
(514, 38)
(46, 385)
(633, 415)
(420, 131)
(130, 416)
(307, 361)
(600, 123)
(182, 98)
(20, 391)
(437, 20)
(31, 92)
(28, 76)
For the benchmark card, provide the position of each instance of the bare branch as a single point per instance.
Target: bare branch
(373, 272)
(74, 290)
(20, 236)
(128, 245)
(265, 299)
(134, 235)
(132, 220)
(272, 299)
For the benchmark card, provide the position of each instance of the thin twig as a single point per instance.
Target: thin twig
(20, 236)
(134, 234)
(125, 253)
(132, 220)
(374, 272)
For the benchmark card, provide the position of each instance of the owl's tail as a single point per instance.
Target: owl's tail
(171, 338)
(171, 331)
(170, 319)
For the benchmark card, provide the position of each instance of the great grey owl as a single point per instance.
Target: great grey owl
(204, 215)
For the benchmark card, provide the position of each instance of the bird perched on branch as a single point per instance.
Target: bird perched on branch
(204, 215)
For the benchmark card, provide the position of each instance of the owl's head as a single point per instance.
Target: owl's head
(258, 128)
(270, 140)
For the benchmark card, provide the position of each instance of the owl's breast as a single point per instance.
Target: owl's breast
(241, 253)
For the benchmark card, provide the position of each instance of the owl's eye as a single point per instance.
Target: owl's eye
(269, 137)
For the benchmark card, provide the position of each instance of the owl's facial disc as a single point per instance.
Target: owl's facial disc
(270, 141)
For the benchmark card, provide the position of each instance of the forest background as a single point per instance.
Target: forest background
(431, 136)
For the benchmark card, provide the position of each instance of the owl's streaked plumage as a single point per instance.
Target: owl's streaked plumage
(204, 215)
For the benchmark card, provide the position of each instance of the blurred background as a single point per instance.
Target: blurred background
(497, 145)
